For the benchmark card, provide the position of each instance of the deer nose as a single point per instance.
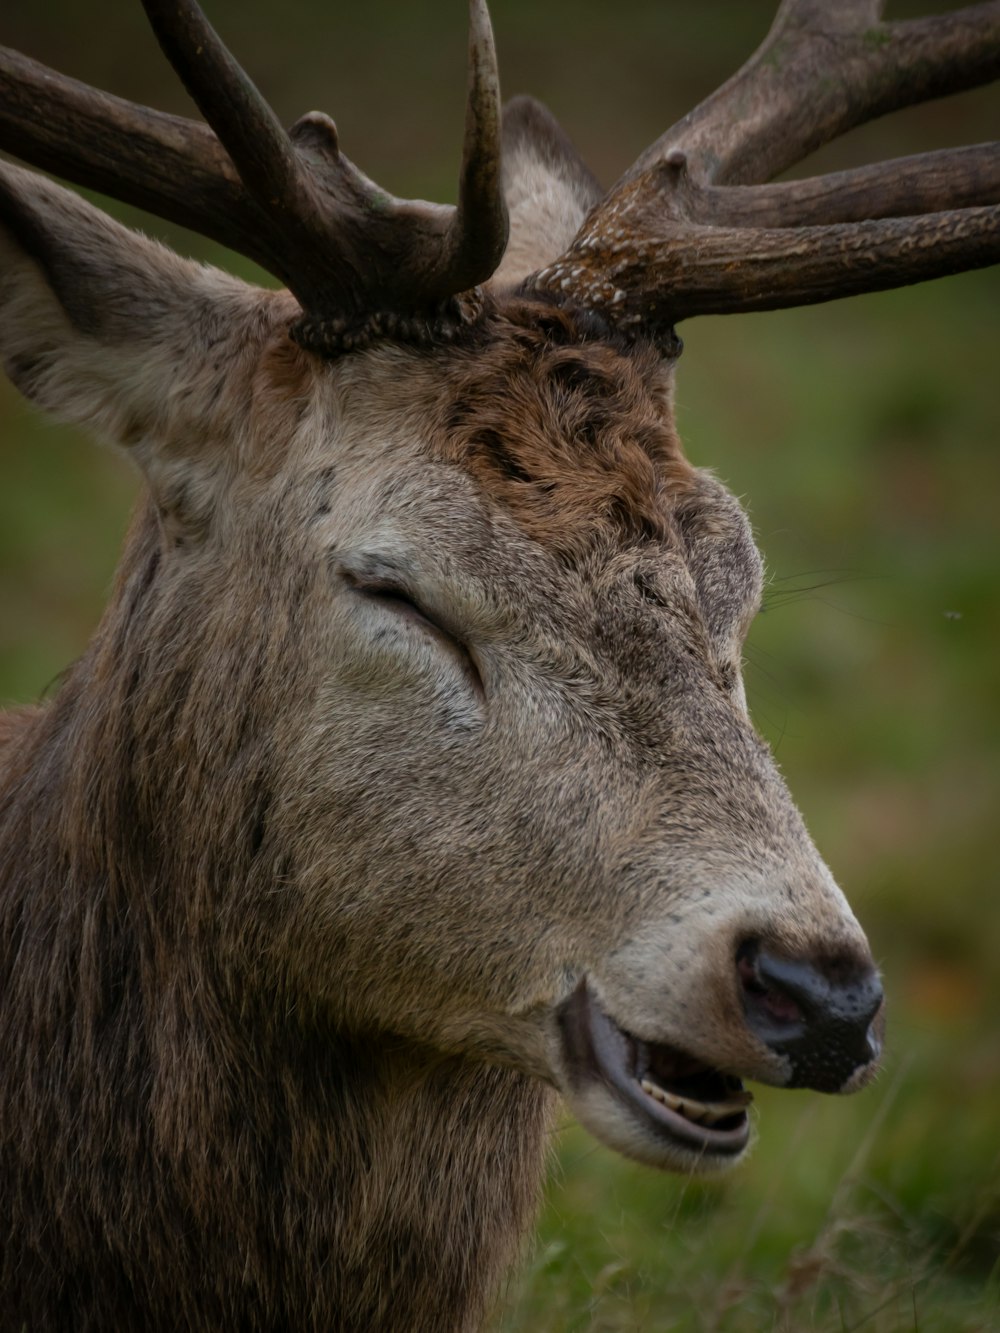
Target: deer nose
(825, 1016)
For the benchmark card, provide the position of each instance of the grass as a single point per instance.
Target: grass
(865, 440)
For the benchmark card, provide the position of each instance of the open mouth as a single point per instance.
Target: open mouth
(674, 1096)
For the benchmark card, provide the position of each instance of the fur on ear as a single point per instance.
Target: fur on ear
(548, 187)
(114, 332)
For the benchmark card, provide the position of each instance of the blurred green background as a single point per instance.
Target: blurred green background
(865, 439)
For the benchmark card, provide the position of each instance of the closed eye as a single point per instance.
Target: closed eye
(398, 600)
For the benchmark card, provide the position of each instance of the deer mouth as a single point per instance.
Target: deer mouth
(679, 1108)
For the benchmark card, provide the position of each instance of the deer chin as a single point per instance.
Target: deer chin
(650, 1101)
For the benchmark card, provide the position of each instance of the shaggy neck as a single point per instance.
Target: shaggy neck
(235, 1163)
(366, 1184)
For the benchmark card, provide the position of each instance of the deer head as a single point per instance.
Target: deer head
(419, 699)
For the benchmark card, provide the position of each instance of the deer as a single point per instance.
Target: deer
(407, 787)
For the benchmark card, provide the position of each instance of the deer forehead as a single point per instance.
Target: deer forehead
(553, 490)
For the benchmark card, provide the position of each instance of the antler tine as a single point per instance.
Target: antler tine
(478, 234)
(246, 126)
(362, 263)
(688, 229)
(901, 187)
(782, 105)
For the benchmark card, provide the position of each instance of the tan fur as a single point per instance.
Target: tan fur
(288, 902)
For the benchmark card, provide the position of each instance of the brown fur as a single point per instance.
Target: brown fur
(572, 435)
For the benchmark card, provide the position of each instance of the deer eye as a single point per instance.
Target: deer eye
(393, 597)
(396, 598)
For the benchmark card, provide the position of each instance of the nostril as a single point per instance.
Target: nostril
(763, 994)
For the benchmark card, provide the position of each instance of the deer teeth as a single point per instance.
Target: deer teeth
(702, 1113)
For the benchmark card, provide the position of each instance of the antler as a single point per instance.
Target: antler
(361, 262)
(693, 229)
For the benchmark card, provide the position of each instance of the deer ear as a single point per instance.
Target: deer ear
(548, 188)
(110, 330)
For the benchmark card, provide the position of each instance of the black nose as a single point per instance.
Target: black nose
(817, 1013)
